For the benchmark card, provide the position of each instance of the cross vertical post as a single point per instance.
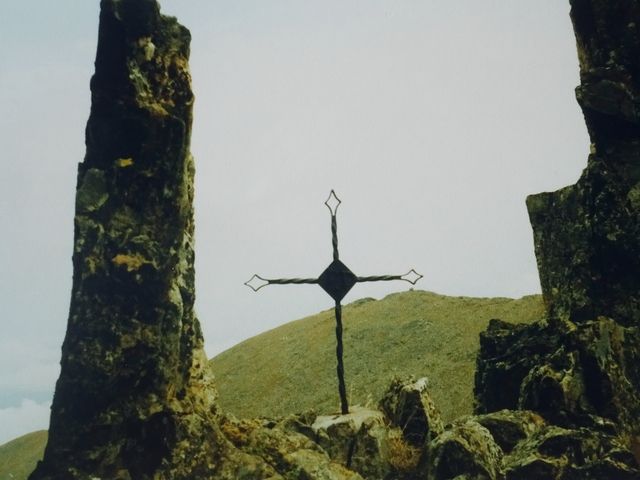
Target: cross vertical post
(336, 280)
(342, 389)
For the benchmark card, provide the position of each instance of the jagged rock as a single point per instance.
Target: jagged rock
(134, 400)
(585, 377)
(409, 407)
(358, 440)
(587, 236)
(466, 449)
(508, 427)
(579, 371)
(507, 354)
(283, 453)
(554, 452)
(518, 445)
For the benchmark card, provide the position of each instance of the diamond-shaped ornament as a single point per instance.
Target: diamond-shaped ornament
(256, 282)
(411, 276)
(337, 280)
(333, 202)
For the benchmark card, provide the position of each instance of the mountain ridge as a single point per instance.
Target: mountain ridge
(403, 334)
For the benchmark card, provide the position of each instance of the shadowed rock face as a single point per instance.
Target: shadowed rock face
(587, 235)
(132, 385)
(579, 371)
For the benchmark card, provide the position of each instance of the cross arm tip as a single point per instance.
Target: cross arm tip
(256, 282)
(412, 277)
(333, 202)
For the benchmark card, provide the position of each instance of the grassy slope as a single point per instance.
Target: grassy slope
(18, 457)
(292, 368)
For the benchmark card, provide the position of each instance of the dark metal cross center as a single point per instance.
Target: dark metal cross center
(336, 280)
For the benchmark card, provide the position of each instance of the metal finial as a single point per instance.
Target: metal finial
(333, 202)
(256, 282)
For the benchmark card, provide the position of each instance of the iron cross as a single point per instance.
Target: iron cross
(336, 280)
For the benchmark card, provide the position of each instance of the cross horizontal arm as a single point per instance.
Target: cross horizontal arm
(257, 282)
(379, 278)
(411, 276)
(297, 281)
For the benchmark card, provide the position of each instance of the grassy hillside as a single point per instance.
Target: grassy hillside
(292, 368)
(18, 458)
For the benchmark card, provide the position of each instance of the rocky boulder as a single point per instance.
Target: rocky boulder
(507, 354)
(518, 445)
(358, 440)
(465, 449)
(271, 449)
(571, 454)
(584, 377)
(408, 406)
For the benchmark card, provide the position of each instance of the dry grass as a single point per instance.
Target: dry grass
(292, 368)
(403, 456)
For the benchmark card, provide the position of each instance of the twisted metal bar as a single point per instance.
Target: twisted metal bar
(411, 276)
(380, 278)
(277, 281)
(334, 237)
(342, 389)
(296, 281)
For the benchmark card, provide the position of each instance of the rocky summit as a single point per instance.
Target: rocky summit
(557, 399)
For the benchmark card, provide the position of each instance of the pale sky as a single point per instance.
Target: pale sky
(431, 119)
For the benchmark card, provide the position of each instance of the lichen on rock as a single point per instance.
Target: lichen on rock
(587, 235)
(578, 368)
(134, 399)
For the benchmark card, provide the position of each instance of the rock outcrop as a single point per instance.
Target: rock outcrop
(133, 399)
(587, 235)
(578, 369)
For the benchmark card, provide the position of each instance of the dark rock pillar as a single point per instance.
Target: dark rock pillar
(587, 235)
(579, 371)
(133, 400)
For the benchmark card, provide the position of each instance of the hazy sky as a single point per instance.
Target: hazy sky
(431, 119)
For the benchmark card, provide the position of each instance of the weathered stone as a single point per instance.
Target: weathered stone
(510, 427)
(580, 371)
(466, 449)
(587, 236)
(554, 452)
(133, 399)
(357, 440)
(283, 453)
(409, 407)
(584, 377)
(507, 354)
